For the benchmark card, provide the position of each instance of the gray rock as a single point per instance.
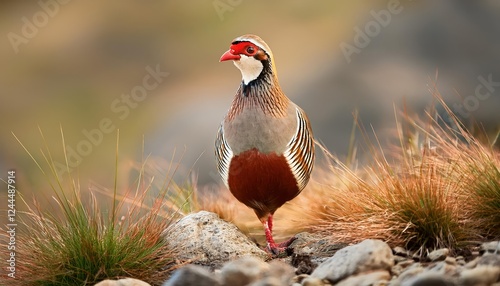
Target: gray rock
(123, 282)
(429, 279)
(243, 271)
(367, 279)
(481, 275)
(438, 254)
(368, 255)
(491, 247)
(206, 239)
(192, 275)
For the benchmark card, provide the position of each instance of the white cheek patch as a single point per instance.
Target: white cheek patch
(250, 68)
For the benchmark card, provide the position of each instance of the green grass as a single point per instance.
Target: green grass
(83, 240)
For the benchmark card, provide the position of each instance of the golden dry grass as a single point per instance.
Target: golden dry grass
(438, 186)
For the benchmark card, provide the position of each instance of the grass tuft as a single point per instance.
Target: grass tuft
(83, 240)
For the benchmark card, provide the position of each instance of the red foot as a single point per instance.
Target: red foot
(280, 248)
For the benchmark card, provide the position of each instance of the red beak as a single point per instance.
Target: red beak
(229, 56)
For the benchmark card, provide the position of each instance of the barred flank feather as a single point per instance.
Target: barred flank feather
(223, 155)
(300, 151)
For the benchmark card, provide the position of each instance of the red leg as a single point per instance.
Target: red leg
(270, 222)
(269, 233)
(273, 247)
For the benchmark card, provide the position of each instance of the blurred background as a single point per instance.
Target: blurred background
(80, 67)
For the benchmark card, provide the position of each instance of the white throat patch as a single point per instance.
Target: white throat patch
(250, 68)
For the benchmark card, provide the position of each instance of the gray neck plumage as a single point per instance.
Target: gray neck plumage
(263, 92)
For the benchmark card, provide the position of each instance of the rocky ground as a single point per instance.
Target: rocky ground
(226, 257)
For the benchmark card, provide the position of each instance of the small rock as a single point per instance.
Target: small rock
(192, 275)
(490, 247)
(367, 255)
(367, 279)
(429, 279)
(123, 282)
(307, 243)
(400, 251)
(243, 271)
(206, 239)
(398, 259)
(282, 271)
(311, 281)
(408, 274)
(406, 263)
(450, 260)
(304, 240)
(475, 253)
(481, 275)
(438, 254)
(303, 264)
(489, 259)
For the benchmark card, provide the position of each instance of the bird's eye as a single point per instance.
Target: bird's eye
(250, 50)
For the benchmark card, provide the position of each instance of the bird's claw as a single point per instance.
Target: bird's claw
(281, 249)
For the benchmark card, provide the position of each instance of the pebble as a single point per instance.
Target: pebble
(438, 254)
(400, 251)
